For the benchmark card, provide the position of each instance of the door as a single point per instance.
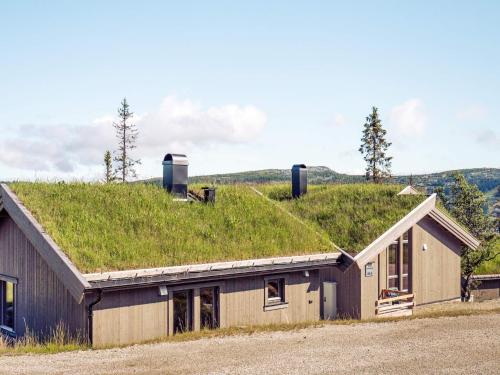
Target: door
(182, 311)
(329, 300)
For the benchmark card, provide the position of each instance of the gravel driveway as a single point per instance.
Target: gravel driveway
(466, 344)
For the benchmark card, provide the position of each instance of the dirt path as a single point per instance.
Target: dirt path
(467, 344)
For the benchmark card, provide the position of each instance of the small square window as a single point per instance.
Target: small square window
(275, 291)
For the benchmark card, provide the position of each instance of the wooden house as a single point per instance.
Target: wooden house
(47, 274)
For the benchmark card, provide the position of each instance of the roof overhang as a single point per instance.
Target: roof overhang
(202, 272)
(454, 228)
(426, 208)
(396, 230)
(57, 261)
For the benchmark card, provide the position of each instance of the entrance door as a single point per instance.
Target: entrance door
(329, 300)
(209, 308)
(182, 311)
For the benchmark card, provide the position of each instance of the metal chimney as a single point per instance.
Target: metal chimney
(175, 175)
(299, 180)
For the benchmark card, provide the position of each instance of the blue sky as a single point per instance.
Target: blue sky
(248, 85)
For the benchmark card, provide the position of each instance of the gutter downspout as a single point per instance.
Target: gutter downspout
(91, 315)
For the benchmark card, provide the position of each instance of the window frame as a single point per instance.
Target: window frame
(3, 284)
(396, 275)
(276, 302)
(399, 276)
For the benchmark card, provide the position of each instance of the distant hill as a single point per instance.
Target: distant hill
(486, 179)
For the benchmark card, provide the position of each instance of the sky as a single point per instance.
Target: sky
(247, 85)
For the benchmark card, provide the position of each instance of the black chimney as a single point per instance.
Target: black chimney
(175, 175)
(299, 180)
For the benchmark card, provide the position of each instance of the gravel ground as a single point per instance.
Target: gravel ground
(463, 345)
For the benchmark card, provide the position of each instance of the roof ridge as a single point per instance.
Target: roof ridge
(298, 219)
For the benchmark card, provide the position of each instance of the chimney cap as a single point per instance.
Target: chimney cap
(177, 159)
(299, 166)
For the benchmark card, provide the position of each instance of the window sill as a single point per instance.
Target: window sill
(277, 306)
(7, 330)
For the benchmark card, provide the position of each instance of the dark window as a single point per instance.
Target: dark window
(209, 308)
(392, 262)
(406, 256)
(275, 291)
(182, 311)
(7, 304)
(393, 259)
(405, 284)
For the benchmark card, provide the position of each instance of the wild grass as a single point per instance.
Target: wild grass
(353, 215)
(58, 340)
(125, 226)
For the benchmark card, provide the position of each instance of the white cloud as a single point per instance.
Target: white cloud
(472, 113)
(338, 120)
(176, 126)
(410, 117)
(183, 124)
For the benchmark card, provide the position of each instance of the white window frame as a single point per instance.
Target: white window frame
(276, 302)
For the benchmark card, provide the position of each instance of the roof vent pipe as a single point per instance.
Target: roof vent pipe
(175, 175)
(299, 180)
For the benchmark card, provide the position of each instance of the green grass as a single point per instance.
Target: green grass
(353, 215)
(116, 227)
(490, 267)
(59, 340)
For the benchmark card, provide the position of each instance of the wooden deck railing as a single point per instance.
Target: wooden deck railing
(396, 304)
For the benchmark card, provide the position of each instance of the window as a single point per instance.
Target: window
(7, 304)
(209, 308)
(406, 258)
(182, 311)
(399, 264)
(392, 269)
(275, 291)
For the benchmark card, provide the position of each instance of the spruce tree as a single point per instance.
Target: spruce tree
(466, 203)
(374, 147)
(109, 175)
(126, 133)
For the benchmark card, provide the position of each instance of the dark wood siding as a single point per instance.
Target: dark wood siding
(42, 301)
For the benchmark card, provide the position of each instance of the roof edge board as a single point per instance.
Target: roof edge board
(396, 230)
(454, 228)
(57, 261)
(206, 267)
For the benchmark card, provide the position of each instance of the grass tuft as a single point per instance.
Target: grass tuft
(58, 340)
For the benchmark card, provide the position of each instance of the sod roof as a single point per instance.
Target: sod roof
(353, 215)
(118, 227)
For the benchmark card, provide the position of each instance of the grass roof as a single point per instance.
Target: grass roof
(353, 215)
(116, 227)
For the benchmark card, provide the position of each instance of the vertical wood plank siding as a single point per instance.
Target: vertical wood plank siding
(348, 289)
(436, 271)
(42, 301)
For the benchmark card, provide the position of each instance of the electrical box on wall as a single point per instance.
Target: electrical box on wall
(369, 269)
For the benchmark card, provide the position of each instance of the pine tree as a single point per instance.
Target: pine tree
(466, 203)
(109, 175)
(374, 148)
(127, 134)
